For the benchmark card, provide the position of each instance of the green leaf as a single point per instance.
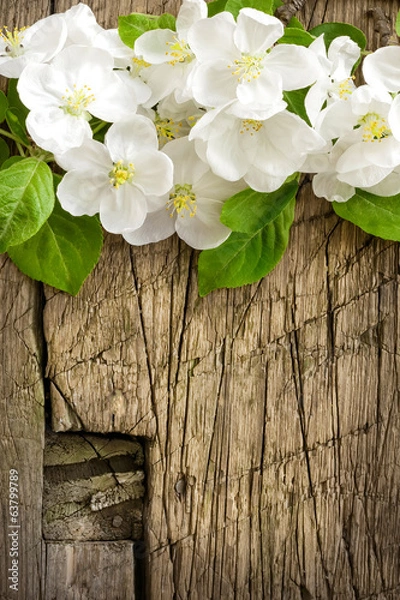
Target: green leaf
(166, 21)
(3, 106)
(245, 211)
(26, 200)
(234, 6)
(16, 122)
(246, 257)
(295, 35)
(14, 100)
(4, 152)
(334, 30)
(295, 103)
(377, 215)
(63, 252)
(215, 7)
(397, 24)
(11, 161)
(132, 26)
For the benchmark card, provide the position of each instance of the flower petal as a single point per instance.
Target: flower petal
(157, 226)
(256, 31)
(123, 209)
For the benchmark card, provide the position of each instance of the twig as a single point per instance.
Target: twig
(382, 26)
(286, 12)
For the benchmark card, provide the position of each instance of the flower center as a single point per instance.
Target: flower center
(75, 103)
(374, 127)
(342, 89)
(137, 65)
(182, 200)
(251, 126)
(121, 173)
(179, 51)
(247, 68)
(167, 129)
(13, 40)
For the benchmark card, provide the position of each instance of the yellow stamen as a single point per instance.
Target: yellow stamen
(182, 200)
(248, 67)
(179, 51)
(251, 126)
(76, 102)
(374, 127)
(13, 40)
(121, 173)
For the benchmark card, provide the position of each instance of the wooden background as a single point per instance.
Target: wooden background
(269, 415)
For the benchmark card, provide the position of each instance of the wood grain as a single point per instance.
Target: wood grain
(270, 413)
(89, 571)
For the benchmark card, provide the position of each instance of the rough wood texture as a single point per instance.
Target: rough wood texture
(93, 488)
(21, 403)
(21, 435)
(89, 571)
(272, 412)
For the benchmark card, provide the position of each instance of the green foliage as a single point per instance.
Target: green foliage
(63, 252)
(263, 223)
(215, 7)
(132, 26)
(26, 200)
(397, 24)
(374, 214)
(234, 6)
(15, 119)
(334, 30)
(3, 106)
(295, 35)
(4, 152)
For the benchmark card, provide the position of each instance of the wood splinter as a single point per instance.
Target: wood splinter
(382, 26)
(286, 12)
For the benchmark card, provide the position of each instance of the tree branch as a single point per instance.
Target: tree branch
(286, 12)
(382, 26)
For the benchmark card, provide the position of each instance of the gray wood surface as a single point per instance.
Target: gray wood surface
(270, 414)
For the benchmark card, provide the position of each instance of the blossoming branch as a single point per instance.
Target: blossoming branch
(199, 126)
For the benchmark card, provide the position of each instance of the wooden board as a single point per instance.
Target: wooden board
(21, 434)
(89, 571)
(271, 412)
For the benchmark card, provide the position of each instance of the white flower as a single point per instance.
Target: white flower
(169, 53)
(381, 69)
(116, 178)
(365, 150)
(82, 25)
(193, 206)
(264, 152)
(172, 119)
(63, 96)
(239, 60)
(36, 44)
(334, 76)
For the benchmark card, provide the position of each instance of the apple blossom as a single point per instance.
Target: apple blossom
(63, 95)
(36, 44)
(239, 60)
(193, 205)
(116, 178)
(262, 151)
(334, 79)
(169, 53)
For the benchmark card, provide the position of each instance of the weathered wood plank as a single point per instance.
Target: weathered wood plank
(21, 434)
(272, 411)
(89, 571)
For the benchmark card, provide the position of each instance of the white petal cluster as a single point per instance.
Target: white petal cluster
(188, 118)
(362, 132)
